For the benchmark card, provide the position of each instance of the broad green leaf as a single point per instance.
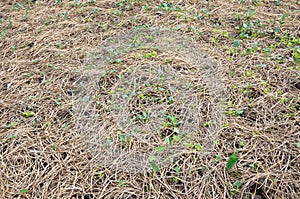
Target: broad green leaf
(23, 190)
(28, 114)
(298, 144)
(177, 169)
(154, 167)
(232, 161)
(160, 148)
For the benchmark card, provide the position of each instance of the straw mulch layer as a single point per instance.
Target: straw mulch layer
(250, 108)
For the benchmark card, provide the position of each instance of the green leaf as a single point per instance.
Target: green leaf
(108, 141)
(150, 55)
(100, 174)
(160, 148)
(28, 114)
(11, 136)
(238, 112)
(166, 124)
(198, 147)
(169, 141)
(283, 16)
(177, 169)
(277, 29)
(176, 130)
(238, 184)
(152, 158)
(11, 125)
(173, 120)
(23, 191)
(118, 61)
(218, 157)
(242, 144)
(253, 166)
(232, 161)
(154, 167)
(236, 43)
(86, 99)
(3, 35)
(122, 137)
(145, 115)
(176, 138)
(121, 183)
(171, 99)
(298, 144)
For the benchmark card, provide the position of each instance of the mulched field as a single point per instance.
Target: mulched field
(247, 143)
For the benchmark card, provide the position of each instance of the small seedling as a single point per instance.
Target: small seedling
(160, 148)
(54, 147)
(235, 186)
(150, 55)
(283, 17)
(58, 101)
(11, 136)
(217, 158)
(123, 137)
(175, 179)
(198, 147)
(242, 144)
(253, 166)
(233, 159)
(166, 6)
(176, 138)
(171, 99)
(209, 123)
(236, 43)
(154, 166)
(169, 141)
(3, 35)
(28, 114)
(108, 142)
(22, 191)
(36, 61)
(143, 117)
(121, 183)
(11, 125)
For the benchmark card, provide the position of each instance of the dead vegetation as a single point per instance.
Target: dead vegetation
(254, 45)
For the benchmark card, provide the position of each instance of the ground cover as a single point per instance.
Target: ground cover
(149, 99)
